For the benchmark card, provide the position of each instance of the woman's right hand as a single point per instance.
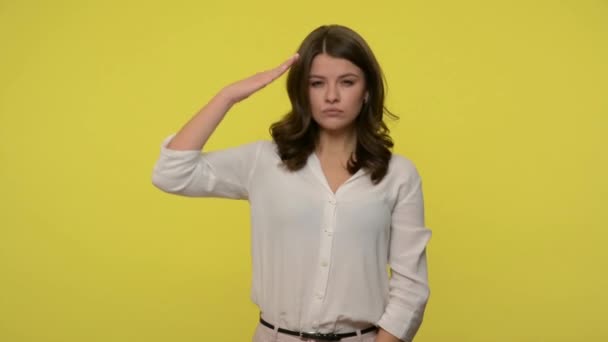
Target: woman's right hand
(195, 133)
(242, 89)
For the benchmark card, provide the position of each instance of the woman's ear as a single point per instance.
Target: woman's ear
(366, 97)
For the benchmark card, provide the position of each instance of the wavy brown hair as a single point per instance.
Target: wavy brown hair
(296, 134)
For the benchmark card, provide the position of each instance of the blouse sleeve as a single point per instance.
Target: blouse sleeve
(224, 173)
(408, 286)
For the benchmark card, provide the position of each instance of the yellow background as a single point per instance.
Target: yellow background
(503, 109)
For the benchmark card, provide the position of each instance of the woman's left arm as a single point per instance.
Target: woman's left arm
(408, 286)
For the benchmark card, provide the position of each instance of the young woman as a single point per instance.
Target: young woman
(331, 206)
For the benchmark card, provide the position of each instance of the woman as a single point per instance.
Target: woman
(331, 206)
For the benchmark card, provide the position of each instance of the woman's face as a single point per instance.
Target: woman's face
(337, 91)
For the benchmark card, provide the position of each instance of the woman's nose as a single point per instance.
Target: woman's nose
(331, 94)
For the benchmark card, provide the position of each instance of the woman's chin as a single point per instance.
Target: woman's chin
(335, 127)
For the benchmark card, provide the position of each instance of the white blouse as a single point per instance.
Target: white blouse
(319, 259)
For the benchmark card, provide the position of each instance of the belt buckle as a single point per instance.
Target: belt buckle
(320, 336)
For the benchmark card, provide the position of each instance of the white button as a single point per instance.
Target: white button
(319, 295)
(332, 201)
(324, 263)
(328, 232)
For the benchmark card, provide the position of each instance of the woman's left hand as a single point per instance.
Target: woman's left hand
(384, 336)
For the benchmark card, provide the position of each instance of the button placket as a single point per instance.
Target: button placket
(324, 257)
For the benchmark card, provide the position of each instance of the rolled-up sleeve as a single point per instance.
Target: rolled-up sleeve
(223, 173)
(408, 286)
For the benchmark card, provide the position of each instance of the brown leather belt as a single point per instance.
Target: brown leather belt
(319, 336)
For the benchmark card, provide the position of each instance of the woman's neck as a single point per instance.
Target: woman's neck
(336, 145)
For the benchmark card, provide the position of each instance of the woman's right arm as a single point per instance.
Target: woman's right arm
(182, 169)
(197, 131)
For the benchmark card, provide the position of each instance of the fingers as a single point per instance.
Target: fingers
(280, 70)
(245, 87)
(289, 62)
(266, 77)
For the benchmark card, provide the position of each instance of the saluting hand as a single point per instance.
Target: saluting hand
(197, 131)
(242, 89)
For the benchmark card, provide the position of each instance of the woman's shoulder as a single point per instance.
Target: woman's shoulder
(401, 166)
(266, 147)
(257, 144)
(265, 144)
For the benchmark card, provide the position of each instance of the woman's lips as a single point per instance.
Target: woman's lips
(332, 111)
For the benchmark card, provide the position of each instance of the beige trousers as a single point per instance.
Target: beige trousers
(265, 334)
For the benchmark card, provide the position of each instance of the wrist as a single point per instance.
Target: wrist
(385, 336)
(224, 98)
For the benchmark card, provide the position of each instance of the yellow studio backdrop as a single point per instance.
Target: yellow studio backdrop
(503, 108)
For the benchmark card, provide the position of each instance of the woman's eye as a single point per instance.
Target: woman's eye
(316, 83)
(348, 82)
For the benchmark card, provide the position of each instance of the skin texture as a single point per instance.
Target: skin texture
(335, 83)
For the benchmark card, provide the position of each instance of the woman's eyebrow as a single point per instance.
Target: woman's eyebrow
(341, 76)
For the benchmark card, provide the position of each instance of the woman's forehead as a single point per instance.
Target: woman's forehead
(324, 65)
